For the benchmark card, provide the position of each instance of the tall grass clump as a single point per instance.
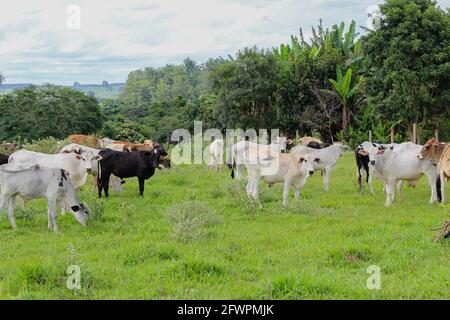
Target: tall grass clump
(191, 220)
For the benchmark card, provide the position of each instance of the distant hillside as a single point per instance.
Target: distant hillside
(107, 91)
(100, 91)
(6, 87)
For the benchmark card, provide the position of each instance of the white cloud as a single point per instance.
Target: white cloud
(118, 36)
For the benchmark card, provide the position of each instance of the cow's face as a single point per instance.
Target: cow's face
(88, 158)
(428, 150)
(306, 166)
(81, 212)
(282, 143)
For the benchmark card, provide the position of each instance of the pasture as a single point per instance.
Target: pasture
(221, 246)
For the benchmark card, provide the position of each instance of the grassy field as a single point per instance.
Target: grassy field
(196, 236)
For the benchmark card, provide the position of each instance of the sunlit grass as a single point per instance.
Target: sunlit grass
(315, 249)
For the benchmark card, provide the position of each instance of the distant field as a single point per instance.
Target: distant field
(315, 249)
(111, 92)
(101, 92)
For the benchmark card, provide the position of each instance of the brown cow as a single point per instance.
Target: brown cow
(432, 150)
(89, 141)
(443, 169)
(305, 140)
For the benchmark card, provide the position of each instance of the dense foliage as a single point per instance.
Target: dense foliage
(337, 84)
(37, 112)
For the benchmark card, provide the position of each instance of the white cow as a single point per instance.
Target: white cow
(396, 163)
(216, 152)
(115, 182)
(77, 165)
(367, 147)
(328, 159)
(39, 182)
(238, 153)
(116, 147)
(292, 169)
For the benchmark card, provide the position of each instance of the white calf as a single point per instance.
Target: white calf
(216, 152)
(39, 182)
(328, 159)
(394, 163)
(292, 169)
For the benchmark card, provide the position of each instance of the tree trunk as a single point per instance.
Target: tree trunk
(345, 120)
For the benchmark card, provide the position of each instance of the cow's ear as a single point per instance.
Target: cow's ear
(98, 157)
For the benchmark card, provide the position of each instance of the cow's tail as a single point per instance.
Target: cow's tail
(438, 188)
(99, 173)
(231, 161)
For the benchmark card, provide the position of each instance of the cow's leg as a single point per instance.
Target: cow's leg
(369, 172)
(326, 180)
(287, 185)
(3, 203)
(10, 212)
(432, 182)
(105, 183)
(239, 170)
(359, 176)
(52, 204)
(141, 186)
(248, 188)
(100, 187)
(443, 186)
(400, 190)
(256, 189)
(297, 191)
(389, 193)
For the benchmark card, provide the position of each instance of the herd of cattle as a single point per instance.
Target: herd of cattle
(59, 177)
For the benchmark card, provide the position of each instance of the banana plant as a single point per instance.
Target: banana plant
(345, 91)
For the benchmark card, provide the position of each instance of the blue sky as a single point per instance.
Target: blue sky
(117, 36)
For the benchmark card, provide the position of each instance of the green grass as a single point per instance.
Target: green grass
(156, 248)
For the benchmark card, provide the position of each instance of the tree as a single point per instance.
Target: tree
(39, 112)
(407, 65)
(245, 89)
(345, 91)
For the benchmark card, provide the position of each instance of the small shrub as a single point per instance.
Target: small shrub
(97, 208)
(48, 145)
(190, 220)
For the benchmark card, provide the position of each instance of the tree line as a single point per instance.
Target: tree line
(337, 84)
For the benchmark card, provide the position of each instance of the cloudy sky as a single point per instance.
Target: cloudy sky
(40, 42)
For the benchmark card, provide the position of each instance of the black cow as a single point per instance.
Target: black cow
(3, 159)
(141, 164)
(317, 145)
(362, 161)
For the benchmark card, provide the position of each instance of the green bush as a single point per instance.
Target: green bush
(48, 145)
(191, 219)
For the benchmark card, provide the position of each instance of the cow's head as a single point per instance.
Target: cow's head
(282, 143)
(429, 149)
(306, 166)
(155, 155)
(88, 158)
(81, 212)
